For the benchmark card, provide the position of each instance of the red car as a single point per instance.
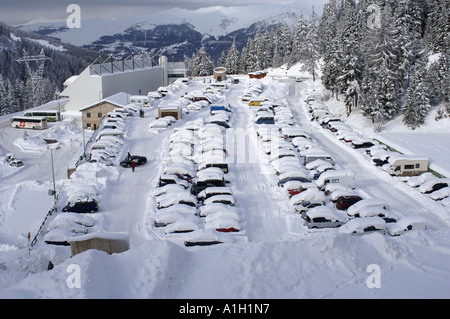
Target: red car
(344, 202)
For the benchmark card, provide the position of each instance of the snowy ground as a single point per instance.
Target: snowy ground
(273, 255)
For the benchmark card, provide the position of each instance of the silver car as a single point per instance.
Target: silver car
(323, 217)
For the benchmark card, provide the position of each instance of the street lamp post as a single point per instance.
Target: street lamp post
(53, 192)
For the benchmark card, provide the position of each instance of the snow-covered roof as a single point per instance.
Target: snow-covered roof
(399, 157)
(119, 100)
(70, 80)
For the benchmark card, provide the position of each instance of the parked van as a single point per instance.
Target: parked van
(344, 177)
(404, 165)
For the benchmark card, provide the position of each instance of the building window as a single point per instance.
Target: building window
(88, 125)
(88, 114)
(99, 114)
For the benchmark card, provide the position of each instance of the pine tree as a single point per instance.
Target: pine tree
(408, 18)
(201, 63)
(222, 59)
(298, 40)
(381, 80)
(350, 63)
(417, 103)
(329, 47)
(232, 61)
(281, 45)
(311, 53)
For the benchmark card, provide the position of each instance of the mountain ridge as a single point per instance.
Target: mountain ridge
(183, 29)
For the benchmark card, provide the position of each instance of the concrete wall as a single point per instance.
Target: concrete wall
(110, 243)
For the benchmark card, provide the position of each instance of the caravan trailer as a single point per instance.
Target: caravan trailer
(404, 165)
(344, 177)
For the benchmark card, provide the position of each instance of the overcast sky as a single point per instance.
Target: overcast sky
(18, 12)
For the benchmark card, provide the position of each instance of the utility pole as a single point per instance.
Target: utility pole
(37, 72)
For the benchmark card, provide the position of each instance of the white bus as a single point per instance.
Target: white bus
(38, 123)
(51, 116)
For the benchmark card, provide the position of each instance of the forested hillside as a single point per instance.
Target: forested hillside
(385, 57)
(15, 84)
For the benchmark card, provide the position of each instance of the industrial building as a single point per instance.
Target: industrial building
(134, 75)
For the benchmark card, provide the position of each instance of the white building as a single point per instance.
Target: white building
(135, 75)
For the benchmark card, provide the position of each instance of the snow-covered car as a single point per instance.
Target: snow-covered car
(309, 195)
(80, 219)
(301, 143)
(187, 224)
(101, 159)
(183, 170)
(323, 217)
(206, 237)
(364, 225)
(296, 187)
(306, 206)
(297, 175)
(213, 208)
(168, 189)
(441, 193)
(355, 209)
(433, 185)
(58, 237)
(164, 218)
(212, 191)
(224, 199)
(281, 153)
(416, 181)
(184, 198)
(180, 149)
(335, 195)
(222, 223)
(286, 165)
(346, 201)
(159, 123)
(82, 204)
(185, 209)
(67, 224)
(362, 142)
(166, 179)
(16, 163)
(406, 224)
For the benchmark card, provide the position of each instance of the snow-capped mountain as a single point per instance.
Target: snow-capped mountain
(178, 32)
